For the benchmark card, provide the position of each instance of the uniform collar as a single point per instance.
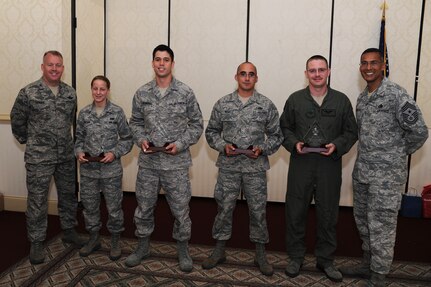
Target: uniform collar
(173, 86)
(253, 98)
(107, 108)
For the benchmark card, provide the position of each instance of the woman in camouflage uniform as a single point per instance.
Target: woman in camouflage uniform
(103, 136)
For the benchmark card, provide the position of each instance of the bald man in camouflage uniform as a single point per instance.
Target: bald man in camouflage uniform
(243, 119)
(391, 127)
(42, 118)
(166, 115)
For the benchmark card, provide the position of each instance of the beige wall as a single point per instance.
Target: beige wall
(424, 81)
(27, 30)
(89, 47)
(209, 41)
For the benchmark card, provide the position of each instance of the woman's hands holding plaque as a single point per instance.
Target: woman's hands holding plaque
(252, 152)
(169, 148)
(103, 157)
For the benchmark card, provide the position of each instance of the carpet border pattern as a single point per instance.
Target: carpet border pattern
(64, 267)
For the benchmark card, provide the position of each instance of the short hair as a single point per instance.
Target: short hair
(246, 62)
(53, 52)
(102, 78)
(163, 48)
(373, 50)
(316, 57)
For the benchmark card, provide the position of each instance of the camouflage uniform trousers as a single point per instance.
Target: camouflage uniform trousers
(90, 198)
(227, 189)
(375, 209)
(176, 184)
(38, 181)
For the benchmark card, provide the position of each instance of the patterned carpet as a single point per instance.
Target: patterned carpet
(64, 267)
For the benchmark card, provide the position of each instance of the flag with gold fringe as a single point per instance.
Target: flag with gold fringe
(382, 42)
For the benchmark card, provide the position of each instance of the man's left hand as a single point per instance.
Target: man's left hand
(109, 157)
(257, 151)
(331, 148)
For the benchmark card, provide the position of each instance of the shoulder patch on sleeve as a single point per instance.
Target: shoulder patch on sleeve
(410, 113)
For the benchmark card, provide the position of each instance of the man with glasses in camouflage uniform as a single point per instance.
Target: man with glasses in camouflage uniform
(244, 128)
(319, 127)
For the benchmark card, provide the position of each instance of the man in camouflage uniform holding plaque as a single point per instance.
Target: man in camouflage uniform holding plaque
(244, 128)
(166, 120)
(390, 128)
(42, 118)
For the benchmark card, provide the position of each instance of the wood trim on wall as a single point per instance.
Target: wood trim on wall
(4, 117)
(15, 203)
(1, 202)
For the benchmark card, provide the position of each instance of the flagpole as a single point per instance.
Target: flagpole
(382, 41)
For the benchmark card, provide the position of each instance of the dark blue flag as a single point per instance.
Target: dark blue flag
(382, 43)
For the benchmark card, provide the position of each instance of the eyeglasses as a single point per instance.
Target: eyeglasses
(371, 63)
(245, 74)
(314, 71)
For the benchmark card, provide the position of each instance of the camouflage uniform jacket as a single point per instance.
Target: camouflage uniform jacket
(254, 123)
(108, 132)
(175, 117)
(334, 117)
(43, 122)
(390, 128)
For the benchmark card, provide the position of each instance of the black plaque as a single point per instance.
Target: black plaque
(91, 158)
(154, 148)
(315, 140)
(238, 151)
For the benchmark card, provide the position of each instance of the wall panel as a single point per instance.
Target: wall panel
(421, 164)
(402, 32)
(209, 41)
(27, 30)
(134, 28)
(424, 80)
(356, 28)
(89, 47)
(283, 35)
(12, 166)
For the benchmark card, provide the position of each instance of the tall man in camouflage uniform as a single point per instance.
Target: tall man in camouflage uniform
(243, 120)
(317, 117)
(166, 120)
(42, 118)
(103, 136)
(390, 128)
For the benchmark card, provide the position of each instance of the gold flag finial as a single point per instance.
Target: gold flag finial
(384, 6)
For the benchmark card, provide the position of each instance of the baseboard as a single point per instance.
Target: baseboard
(1, 202)
(14, 203)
